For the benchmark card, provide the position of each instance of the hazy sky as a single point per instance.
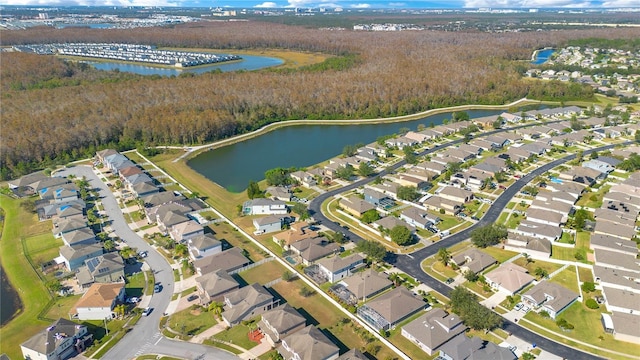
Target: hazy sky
(353, 4)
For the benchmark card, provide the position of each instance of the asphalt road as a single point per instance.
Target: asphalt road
(410, 264)
(144, 337)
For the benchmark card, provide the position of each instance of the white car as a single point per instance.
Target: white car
(132, 300)
(143, 254)
(146, 311)
(518, 307)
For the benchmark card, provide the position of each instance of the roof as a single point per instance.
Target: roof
(560, 295)
(79, 251)
(545, 230)
(227, 260)
(336, 263)
(626, 261)
(309, 344)
(396, 304)
(474, 259)
(510, 277)
(353, 354)
(205, 241)
(243, 299)
(618, 277)
(282, 319)
(66, 225)
(389, 222)
(622, 298)
(456, 192)
(161, 198)
(627, 324)
(269, 219)
(78, 236)
(435, 328)
(105, 264)
(366, 283)
(99, 295)
(544, 215)
(614, 244)
(47, 340)
(217, 282)
(185, 228)
(293, 235)
(356, 204)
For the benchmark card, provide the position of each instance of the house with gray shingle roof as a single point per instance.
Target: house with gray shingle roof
(58, 341)
(213, 286)
(203, 245)
(356, 206)
(228, 260)
(433, 329)
(387, 310)
(80, 236)
(336, 268)
(367, 284)
(626, 327)
(508, 278)
(550, 297)
(75, 256)
(247, 302)
(473, 260)
(280, 322)
(308, 344)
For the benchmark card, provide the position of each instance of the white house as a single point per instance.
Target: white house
(98, 302)
(56, 342)
(203, 245)
(336, 267)
(264, 207)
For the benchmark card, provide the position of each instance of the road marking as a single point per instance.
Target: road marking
(409, 255)
(157, 341)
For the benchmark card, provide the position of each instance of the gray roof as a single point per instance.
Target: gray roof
(282, 319)
(240, 301)
(105, 264)
(614, 244)
(80, 251)
(435, 328)
(269, 219)
(336, 263)
(309, 344)
(227, 260)
(161, 198)
(356, 204)
(510, 276)
(217, 282)
(47, 340)
(627, 324)
(353, 354)
(474, 259)
(66, 225)
(544, 215)
(389, 222)
(607, 275)
(622, 298)
(560, 295)
(366, 283)
(527, 226)
(78, 236)
(619, 260)
(396, 304)
(203, 242)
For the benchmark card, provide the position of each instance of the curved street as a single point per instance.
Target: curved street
(410, 264)
(145, 337)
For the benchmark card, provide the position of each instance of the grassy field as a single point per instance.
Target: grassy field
(191, 321)
(588, 328)
(500, 255)
(532, 266)
(567, 278)
(264, 273)
(62, 307)
(225, 232)
(238, 335)
(20, 224)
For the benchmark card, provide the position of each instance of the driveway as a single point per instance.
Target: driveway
(144, 337)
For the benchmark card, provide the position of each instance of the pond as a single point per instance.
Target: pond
(10, 304)
(248, 63)
(542, 56)
(235, 165)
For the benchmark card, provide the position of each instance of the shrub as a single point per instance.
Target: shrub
(588, 287)
(592, 304)
(564, 324)
(544, 314)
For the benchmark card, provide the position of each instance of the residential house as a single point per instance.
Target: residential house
(308, 344)
(144, 189)
(433, 329)
(549, 297)
(106, 268)
(408, 180)
(417, 136)
(367, 284)
(337, 268)
(421, 174)
(353, 354)
(619, 300)
(387, 188)
(463, 347)
(418, 218)
(270, 223)
(63, 226)
(366, 155)
(98, 302)
(75, 256)
(626, 327)
(304, 178)
(313, 249)
(436, 203)
(616, 230)
(537, 248)
(185, 230)
(374, 197)
(607, 277)
(279, 193)
(389, 309)
(57, 342)
(130, 171)
(168, 214)
(400, 142)
(159, 198)
(473, 260)
(537, 230)
(432, 166)
(214, 285)
(508, 278)
(617, 260)
(228, 260)
(545, 217)
(511, 118)
(103, 154)
(389, 222)
(280, 322)
(296, 233)
(264, 207)
(612, 243)
(203, 245)
(582, 175)
(246, 303)
(559, 207)
(135, 179)
(60, 193)
(457, 195)
(355, 206)
(83, 236)
(598, 165)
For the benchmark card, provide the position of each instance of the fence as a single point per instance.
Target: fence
(251, 266)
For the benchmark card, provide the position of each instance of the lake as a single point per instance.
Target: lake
(248, 63)
(233, 166)
(10, 304)
(542, 56)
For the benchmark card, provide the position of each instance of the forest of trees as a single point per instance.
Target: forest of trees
(55, 111)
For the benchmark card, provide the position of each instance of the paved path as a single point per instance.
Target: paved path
(144, 337)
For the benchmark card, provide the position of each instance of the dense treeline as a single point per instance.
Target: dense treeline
(53, 111)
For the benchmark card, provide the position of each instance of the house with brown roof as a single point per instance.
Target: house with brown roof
(313, 249)
(355, 206)
(280, 322)
(389, 309)
(549, 297)
(185, 230)
(98, 301)
(228, 260)
(537, 248)
(433, 329)
(473, 260)
(455, 194)
(213, 286)
(366, 284)
(508, 278)
(308, 344)
(296, 233)
(435, 203)
(247, 302)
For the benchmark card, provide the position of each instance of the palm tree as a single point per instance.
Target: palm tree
(444, 255)
(396, 278)
(181, 250)
(215, 308)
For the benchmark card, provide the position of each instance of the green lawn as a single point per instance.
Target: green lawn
(62, 307)
(19, 223)
(588, 328)
(593, 199)
(264, 273)
(567, 278)
(135, 285)
(564, 253)
(585, 274)
(191, 321)
(43, 247)
(500, 255)
(238, 335)
(549, 267)
(583, 239)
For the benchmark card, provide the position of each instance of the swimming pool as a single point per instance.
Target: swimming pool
(555, 180)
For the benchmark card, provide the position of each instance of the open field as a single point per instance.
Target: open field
(567, 278)
(18, 224)
(264, 273)
(192, 320)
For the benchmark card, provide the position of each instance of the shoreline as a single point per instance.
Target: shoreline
(196, 150)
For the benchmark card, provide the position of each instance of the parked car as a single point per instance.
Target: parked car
(192, 297)
(143, 254)
(518, 307)
(146, 311)
(132, 300)
(157, 288)
(449, 281)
